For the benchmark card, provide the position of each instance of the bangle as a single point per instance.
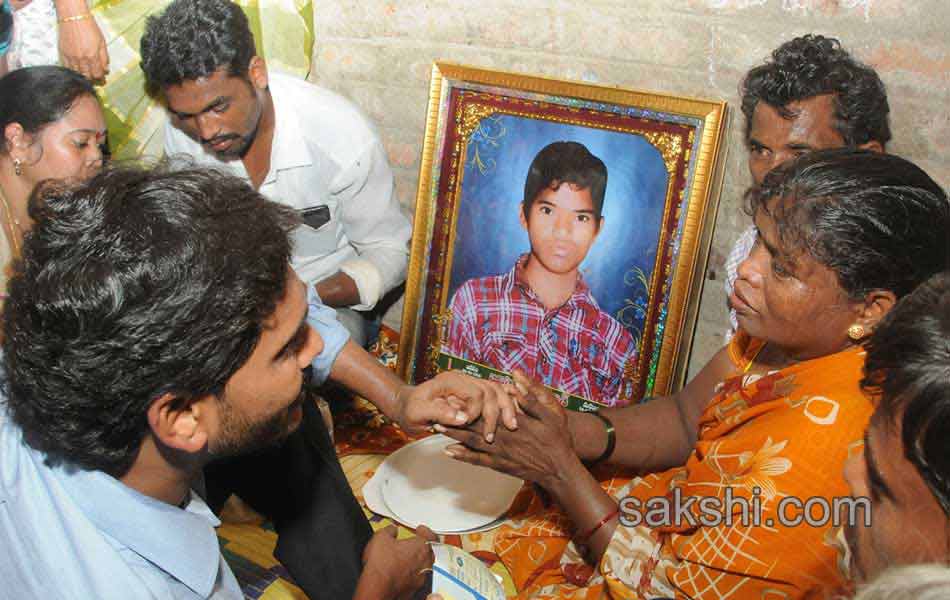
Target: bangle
(589, 533)
(75, 18)
(611, 439)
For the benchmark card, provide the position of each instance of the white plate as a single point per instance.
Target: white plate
(421, 485)
(373, 498)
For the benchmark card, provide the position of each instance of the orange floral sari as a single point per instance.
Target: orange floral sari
(762, 438)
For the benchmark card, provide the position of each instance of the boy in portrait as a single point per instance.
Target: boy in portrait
(540, 317)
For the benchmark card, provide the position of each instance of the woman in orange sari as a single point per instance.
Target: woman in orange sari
(740, 469)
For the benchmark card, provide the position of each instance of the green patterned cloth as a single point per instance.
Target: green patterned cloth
(283, 31)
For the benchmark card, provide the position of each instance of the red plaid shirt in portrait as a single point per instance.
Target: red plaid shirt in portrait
(577, 348)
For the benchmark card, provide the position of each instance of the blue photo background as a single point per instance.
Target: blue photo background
(489, 237)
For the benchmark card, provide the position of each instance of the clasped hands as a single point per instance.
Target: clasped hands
(532, 443)
(535, 442)
(454, 399)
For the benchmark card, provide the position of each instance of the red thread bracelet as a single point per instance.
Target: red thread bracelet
(583, 539)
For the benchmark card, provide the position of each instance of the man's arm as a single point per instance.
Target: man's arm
(450, 398)
(338, 290)
(657, 434)
(360, 372)
(323, 320)
(374, 225)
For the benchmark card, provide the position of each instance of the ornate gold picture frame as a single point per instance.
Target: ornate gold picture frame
(625, 332)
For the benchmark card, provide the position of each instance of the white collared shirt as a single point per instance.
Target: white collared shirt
(326, 153)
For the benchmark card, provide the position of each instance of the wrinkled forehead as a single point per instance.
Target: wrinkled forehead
(806, 123)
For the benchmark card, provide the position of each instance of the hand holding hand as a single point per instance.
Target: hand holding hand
(453, 398)
(535, 452)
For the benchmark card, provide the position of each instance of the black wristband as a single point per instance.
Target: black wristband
(611, 439)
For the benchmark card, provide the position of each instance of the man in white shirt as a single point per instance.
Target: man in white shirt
(296, 143)
(811, 95)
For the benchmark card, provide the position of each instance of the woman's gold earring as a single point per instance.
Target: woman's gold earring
(856, 332)
(16, 166)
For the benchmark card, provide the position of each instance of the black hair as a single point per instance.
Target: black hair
(37, 96)
(814, 65)
(908, 369)
(877, 220)
(566, 162)
(132, 285)
(195, 38)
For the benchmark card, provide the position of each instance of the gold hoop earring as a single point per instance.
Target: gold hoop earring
(16, 167)
(856, 332)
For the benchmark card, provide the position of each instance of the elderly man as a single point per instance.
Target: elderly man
(811, 95)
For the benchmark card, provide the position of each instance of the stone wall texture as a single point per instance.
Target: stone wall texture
(379, 53)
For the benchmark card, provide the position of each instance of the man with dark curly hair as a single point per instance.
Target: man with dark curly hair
(153, 325)
(295, 142)
(811, 95)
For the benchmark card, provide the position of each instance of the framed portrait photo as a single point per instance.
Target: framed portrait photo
(561, 229)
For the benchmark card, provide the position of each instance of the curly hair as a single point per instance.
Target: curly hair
(566, 162)
(908, 368)
(34, 97)
(814, 65)
(132, 285)
(195, 38)
(877, 220)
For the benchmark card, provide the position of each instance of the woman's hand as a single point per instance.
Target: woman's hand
(82, 48)
(536, 452)
(395, 569)
(453, 398)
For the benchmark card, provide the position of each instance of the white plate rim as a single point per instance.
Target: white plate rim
(487, 523)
